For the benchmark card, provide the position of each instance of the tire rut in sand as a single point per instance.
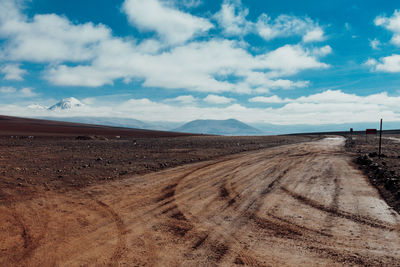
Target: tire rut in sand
(31, 241)
(121, 243)
(339, 213)
(97, 205)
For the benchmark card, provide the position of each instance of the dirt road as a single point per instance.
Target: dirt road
(302, 204)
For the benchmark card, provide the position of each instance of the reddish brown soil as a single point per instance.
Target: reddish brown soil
(383, 172)
(33, 127)
(30, 163)
(301, 204)
(115, 202)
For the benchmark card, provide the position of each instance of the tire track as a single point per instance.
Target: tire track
(342, 214)
(121, 243)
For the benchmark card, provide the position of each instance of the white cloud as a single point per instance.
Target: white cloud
(190, 3)
(328, 107)
(172, 25)
(50, 38)
(391, 24)
(88, 54)
(322, 51)
(194, 67)
(27, 92)
(288, 25)
(7, 90)
(11, 91)
(232, 18)
(385, 64)
(314, 35)
(10, 10)
(375, 44)
(271, 99)
(13, 72)
(216, 99)
(290, 59)
(183, 99)
(371, 62)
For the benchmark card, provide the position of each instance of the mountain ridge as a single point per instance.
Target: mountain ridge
(218, 127)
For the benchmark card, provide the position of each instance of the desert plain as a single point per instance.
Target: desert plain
(79, 195)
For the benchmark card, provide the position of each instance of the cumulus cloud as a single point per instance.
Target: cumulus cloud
(322, 51)
(27, 92)
(385, 64)
(328, 107)
(13, 72)
(190, 3)
(232, 18)
(172, 25)
(375, 44)
(11, 91)
(183, 99)
(314, 35)
(49, 38)
(216, 99)
(270, 99)
(89, 55)
(391, 24)
(194, 67)
(289, 25)
(10, 10)
(291, 59)
(7, 90)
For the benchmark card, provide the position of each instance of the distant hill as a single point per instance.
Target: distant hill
(34, 127)
(219, 127)
(298, 128)
(118, 122)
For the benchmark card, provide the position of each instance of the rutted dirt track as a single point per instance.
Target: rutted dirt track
(302, 204)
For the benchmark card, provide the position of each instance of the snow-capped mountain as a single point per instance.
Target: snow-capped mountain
(67, 103)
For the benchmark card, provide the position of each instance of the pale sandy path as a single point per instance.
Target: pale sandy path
(294, 205)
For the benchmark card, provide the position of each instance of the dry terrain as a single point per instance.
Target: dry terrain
(383, 172)
(302, 204)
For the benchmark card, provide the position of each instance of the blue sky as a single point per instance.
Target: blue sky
(281, 62)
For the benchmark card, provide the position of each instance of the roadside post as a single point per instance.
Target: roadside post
(380, 140)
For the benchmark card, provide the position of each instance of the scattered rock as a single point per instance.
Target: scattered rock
(84, 137)
(373, 154)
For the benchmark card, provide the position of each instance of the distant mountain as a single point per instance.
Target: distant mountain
(298, 128)
(67, 103)
(219, 127)
(117, 122)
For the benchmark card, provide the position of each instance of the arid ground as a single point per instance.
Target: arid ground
(218, 201)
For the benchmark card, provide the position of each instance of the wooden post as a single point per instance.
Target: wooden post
(380, 140)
